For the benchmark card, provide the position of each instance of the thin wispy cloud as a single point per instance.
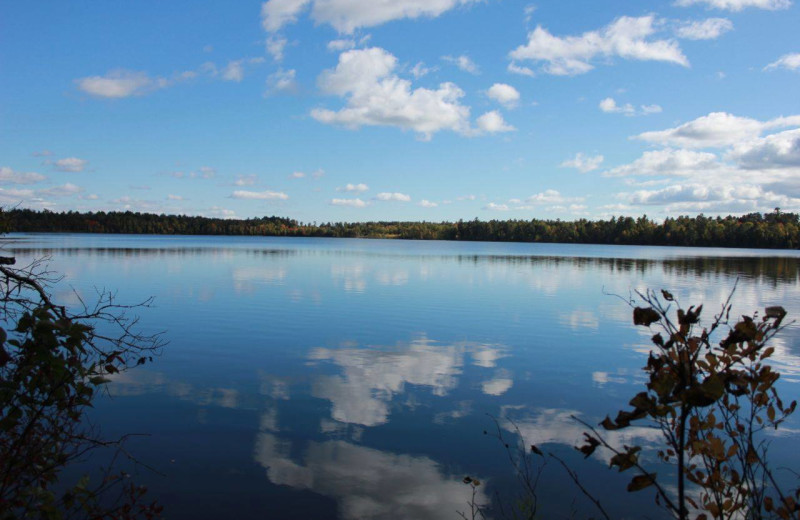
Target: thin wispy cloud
(464, 63)
(356, 188)
(259, 195)
(583, 163)
(353, 203)
(395, 196)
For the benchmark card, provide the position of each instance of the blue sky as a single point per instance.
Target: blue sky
(330, 110)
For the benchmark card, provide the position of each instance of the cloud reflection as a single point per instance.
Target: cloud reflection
(372, 377)
(367, 483)
(247, 279)
(557, 426)
(142, 382)
(499, 385)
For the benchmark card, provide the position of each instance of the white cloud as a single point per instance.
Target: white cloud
(277, 13)
(348, 15)
(282, 81)
(504, 94)
(398, 197)
(61, 191)
(528, 11)
(776, 151)
(493, 122)
(550, 197)
(204, 172)
(521, 70)
(174, 197)
(259, 195)
(245, 180)
(496, 207)
(787, 61)
(297, 175)
(708, 29)
(275, 46)
(427, 204)
(120, 83)
(650, 109)
(358, 188)
(234, 71)
(583, 163)
(419, 70)
(682, 163)
(43, 153)
(353, 203)
(9, 176)
(753, 172)
(610, 106)
(717, 129)
(377, 96)
(626, 37)
(70, 164)
(219, 212)
(343, 44)
(14, 194)
(318, 173)
(463, 62)
(695, 193)
(738, 5)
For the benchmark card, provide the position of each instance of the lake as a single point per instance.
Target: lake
(346, 378)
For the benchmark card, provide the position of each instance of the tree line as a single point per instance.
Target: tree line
(775, 230)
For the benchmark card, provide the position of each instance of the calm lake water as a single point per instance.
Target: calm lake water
(336, 378)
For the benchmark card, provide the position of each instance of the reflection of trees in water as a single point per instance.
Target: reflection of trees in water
(778, 269)
(145, 252)
(772, 269)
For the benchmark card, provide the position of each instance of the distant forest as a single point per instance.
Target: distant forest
(776, 230)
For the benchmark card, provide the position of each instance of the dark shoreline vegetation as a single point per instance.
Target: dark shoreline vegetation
(776, 230)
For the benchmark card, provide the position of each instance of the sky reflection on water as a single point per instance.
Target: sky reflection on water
(355, 378)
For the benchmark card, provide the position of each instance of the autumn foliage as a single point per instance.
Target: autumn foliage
(712, 400)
